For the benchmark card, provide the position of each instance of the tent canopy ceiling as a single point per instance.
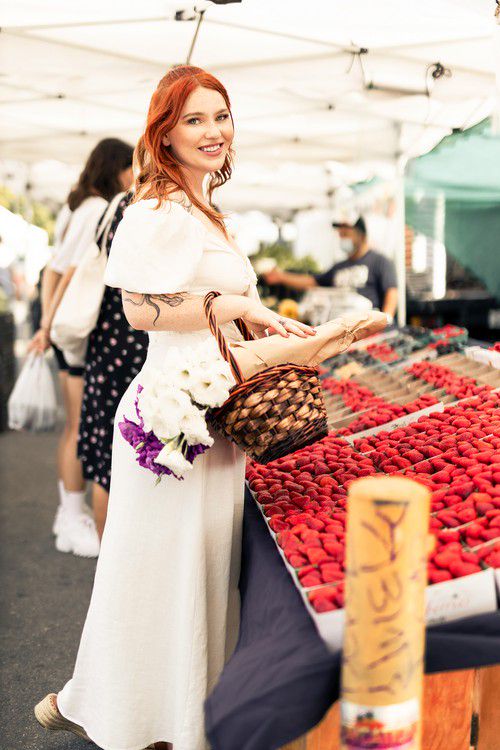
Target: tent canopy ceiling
(73, 73)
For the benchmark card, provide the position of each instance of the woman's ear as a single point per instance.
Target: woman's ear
(165, 140)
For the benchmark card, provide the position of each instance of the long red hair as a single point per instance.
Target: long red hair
(159, 172)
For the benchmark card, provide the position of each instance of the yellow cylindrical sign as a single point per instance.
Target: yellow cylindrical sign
(386, 565)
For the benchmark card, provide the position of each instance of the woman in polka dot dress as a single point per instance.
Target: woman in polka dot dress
(115, 355)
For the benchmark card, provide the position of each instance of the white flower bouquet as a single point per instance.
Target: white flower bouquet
(171, 406)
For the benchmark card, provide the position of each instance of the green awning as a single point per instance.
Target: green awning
(453, 195)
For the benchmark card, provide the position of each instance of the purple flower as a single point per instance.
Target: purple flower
(195, 450)
(147, 446)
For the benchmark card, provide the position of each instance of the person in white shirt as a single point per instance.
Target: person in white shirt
(108, 171)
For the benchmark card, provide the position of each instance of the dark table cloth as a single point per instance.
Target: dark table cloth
(281, 679)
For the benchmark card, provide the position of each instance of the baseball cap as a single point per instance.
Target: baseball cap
(356, 223)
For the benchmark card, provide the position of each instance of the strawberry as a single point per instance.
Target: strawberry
(493, 559)
(311, 538)
(470, 557)
(305, 570)
(485, 457)
(330, 572)
(459, 568)
(264, 497)
(431, 451)
(463, 488)
(312, 579)
(451, 500)
(334, 549)
(298, 528)
(321, 468)
(326, 480)
(489, 534)
(441, 477)
(443, 559)
(424, 467)
(277, 524)
(315, 555)
(438, 576)
(288, 485)
(295, 560)
(257, 485)
(315, 523)
(273, 510)
(447, 535)
(323, 605)
(483, 507)
(311, 492)
(413, 456)
(466, 515)
(448, 518)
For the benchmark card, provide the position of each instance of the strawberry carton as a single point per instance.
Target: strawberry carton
(490, 556)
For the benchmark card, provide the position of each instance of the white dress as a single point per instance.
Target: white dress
(164, 612)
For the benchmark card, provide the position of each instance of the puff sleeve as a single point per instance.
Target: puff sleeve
(155, 251)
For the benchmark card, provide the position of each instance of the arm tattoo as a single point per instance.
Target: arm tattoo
(153, 300)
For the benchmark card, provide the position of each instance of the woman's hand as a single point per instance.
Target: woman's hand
(260, 318)
(40, 341)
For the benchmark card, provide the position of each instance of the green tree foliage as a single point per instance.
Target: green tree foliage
(282, 253)
(33, 211)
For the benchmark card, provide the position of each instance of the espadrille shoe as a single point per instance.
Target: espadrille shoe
(49, 717)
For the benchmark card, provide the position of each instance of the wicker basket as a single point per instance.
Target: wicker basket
(273, 413)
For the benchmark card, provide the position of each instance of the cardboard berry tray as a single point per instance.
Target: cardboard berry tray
(483, 356)
(490, 553)
(448, 600)
(303, 500)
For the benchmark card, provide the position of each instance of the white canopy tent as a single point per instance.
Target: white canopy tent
(323, 91)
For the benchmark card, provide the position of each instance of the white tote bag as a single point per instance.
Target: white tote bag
(32, 404)
(79, 308)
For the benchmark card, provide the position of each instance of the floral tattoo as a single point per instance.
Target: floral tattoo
(153, 300)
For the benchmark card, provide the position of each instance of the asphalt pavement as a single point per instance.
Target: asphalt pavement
(44, 594)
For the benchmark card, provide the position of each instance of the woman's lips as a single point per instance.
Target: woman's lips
(212, 152)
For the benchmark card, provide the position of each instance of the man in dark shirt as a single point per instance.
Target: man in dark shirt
(367, 272)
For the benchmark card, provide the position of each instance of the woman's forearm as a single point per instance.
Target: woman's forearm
(50, 280)
(57, 296)
(180, 311)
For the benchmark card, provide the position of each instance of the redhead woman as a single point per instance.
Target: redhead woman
(164, 611)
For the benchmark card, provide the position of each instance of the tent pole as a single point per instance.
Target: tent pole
(495, 41)
(201, 16)
(400, 259)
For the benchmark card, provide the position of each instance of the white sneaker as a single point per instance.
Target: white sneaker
(58, 520)
(63, 515)
(78, 535)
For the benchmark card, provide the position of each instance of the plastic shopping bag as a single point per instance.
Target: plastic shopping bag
(32, 404)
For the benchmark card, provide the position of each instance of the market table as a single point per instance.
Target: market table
(282, 680)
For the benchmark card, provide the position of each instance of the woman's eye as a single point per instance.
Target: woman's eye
(193, 120)
(223, 117)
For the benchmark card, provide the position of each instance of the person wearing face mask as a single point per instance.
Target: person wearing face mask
(367, 272)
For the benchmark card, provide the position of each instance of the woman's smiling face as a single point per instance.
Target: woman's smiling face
(202, 137)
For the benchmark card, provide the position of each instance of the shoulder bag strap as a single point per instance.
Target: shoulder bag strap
(104, 225)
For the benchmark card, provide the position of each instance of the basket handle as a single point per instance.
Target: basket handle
(220, 338)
